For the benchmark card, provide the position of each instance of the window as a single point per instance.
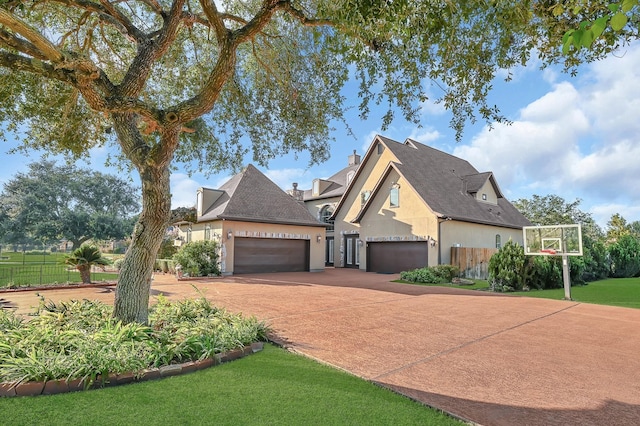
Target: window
(394, 196)
(330, 253)
(207, 232)
(498, 241)
(349, 251)
(364, 196)
(350, 176)
(325, 216)
(357, 255)
(484, 197)
(380, 148)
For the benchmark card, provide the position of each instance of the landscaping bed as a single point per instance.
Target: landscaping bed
(78, 344)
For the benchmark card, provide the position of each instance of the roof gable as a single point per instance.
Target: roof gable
(442, 181)
(251, 196)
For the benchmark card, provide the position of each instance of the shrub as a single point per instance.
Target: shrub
(439, 274)
(198, 259)
(508, 268)
(625, 257)
(81, 339)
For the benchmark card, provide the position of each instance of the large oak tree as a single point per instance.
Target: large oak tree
(192, 80)
(50, 203)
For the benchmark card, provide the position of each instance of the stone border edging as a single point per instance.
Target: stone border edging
(51, 387)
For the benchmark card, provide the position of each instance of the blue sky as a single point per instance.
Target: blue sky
(573, 137)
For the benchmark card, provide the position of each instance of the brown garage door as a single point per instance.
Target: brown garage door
(255, 255)
(393, 257)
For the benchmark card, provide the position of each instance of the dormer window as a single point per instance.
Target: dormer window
(350, 176)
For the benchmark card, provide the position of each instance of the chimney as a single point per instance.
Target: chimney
(354, 159)
(297, 194)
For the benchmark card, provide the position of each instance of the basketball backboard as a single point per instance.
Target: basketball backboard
(553, 240)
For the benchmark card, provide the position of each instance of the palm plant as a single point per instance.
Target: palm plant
(83, 258)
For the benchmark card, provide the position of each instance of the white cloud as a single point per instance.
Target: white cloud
(578, 141)
(285, 178)
(183, 190)
(425, 135)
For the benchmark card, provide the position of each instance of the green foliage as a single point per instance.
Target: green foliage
(509, 268)
(167, 249)
(198, 258)
(439, 274)
(81, 339)
(52, 202)
(610, 22)
(83, 258)
(595, 259)
(625, 257)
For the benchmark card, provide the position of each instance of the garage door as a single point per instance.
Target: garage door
(255, 255)
(393, 257)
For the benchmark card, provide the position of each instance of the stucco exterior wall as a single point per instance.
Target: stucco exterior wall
(487, 189)
(472, 235)
(368, 175)
(412, 220)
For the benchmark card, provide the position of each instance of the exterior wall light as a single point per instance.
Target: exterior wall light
(229, 235)
(319, 238)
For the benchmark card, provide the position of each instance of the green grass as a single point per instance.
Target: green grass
(269, 387)
(34, 269)
(479, 285)
(623, 292)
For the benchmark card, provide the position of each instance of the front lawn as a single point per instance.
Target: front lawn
(269, 387)
(623, 292)
(477, 285)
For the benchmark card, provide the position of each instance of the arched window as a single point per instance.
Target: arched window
(325, 215)
(498, 241)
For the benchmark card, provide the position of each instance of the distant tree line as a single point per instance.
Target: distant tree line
(612, 252)
(50, 203)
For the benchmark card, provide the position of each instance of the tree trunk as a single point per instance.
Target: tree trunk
(85, 273)
(134, 283)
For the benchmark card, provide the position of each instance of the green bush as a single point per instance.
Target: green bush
(625, 257)
(508, 268)
(198, 259)
(81, 339)
(439, 274)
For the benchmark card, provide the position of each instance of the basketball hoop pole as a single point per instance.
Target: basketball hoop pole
(566, 277)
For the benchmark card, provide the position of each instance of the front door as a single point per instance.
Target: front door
(351, 251)
(328, 257)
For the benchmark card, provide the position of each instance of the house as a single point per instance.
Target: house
(408, 204)
(323, 197)
(260, 227)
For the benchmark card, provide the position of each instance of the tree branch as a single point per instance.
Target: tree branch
(287, 7)
(212, 14)
(25, 30)
(10, 40)
(34, 66)
(151, 50)
(109, 15)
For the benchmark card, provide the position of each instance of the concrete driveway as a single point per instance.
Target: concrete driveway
(489, 359)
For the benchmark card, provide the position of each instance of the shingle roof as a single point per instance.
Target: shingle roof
(444, 181)
(251, 196)
(338, 185)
